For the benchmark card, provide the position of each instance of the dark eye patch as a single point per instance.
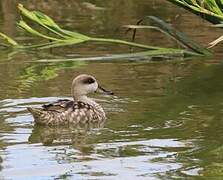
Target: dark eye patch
(88, 80)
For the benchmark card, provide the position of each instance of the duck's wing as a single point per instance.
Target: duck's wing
(59, 106)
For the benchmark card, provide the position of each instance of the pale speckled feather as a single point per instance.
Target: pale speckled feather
(67, 112)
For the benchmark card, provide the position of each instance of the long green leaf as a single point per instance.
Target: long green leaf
(173, 33)
(32, 31)
(206, 9)
(61, 37)
(9, 40)
(179, 36)
(146, 55)
(46, 22)
(210, 10)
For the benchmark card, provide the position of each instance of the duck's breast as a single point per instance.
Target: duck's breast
(83, 112)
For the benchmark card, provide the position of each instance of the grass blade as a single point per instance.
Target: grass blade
(9, 40)
(179, 36)
(46, 22)
(215, 42)
(207, 10)
(26, 27)
(61, 37)
(146, 55)
(167, 29)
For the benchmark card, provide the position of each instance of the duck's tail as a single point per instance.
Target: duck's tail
(37, 113)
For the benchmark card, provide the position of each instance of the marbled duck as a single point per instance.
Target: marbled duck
(79, 110)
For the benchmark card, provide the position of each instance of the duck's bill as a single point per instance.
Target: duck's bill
(102, 90)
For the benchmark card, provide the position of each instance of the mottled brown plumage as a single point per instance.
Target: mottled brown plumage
(81, 110)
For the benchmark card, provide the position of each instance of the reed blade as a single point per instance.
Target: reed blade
(58, 37)
(153, 22)
(9, 40)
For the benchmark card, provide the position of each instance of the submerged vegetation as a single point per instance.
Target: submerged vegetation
(57, 36)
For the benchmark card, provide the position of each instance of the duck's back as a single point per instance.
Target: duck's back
(67, 112)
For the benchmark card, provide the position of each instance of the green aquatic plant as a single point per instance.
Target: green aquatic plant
(57, 36)
(168, 30)
(210, 10)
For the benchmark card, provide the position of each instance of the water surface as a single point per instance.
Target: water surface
(164, 121)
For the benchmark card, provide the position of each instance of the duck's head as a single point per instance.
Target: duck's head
(85, 84)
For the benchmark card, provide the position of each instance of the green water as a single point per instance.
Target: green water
(164, 121)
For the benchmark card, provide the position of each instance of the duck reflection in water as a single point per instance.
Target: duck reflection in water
(77, 135)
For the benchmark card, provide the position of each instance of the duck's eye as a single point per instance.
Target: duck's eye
(89, 81)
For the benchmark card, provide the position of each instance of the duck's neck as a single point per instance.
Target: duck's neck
(86, 100)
